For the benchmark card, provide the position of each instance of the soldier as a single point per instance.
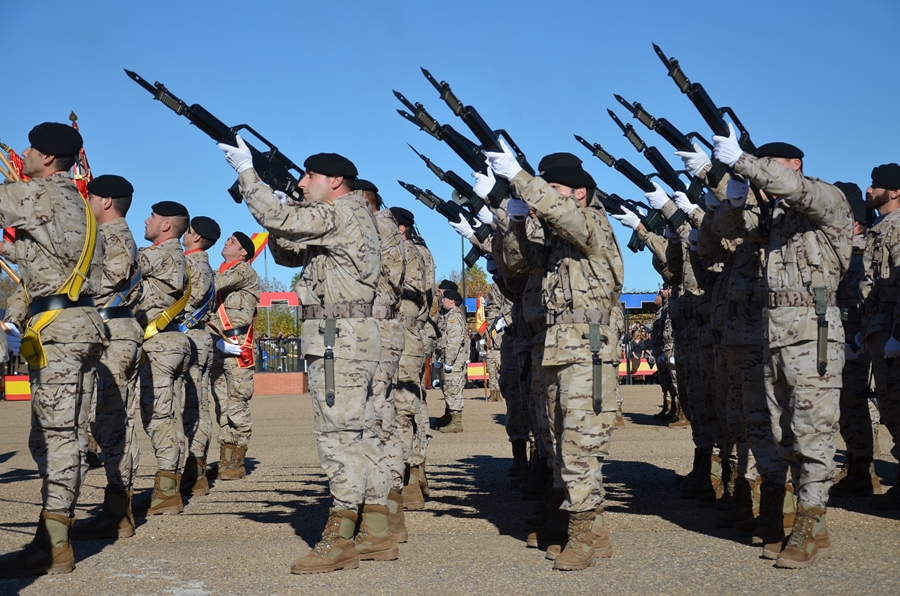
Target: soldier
(117, 418)
(582, 283)
(334, 237)
(231, 374)
(385, 311)
(430, 336)
(809, 244)
(662, 344)
(495, 302)
(59, 260)
(881, 295)
(202, 234)
(440, 321)
(454, 356)
(166, 291)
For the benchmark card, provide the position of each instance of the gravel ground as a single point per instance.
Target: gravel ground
(242, 538)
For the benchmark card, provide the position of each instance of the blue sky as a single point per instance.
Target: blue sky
(318, 77)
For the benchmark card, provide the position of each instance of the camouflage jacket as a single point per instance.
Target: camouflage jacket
(237, 287)
(427, 260)
(454, 340)
(412, 297)
(201, 281)
(164, 279)
(393, 257)
(880, 288)
(119, 264)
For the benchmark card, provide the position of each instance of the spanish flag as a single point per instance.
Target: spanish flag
(259, 240)
(480, 322)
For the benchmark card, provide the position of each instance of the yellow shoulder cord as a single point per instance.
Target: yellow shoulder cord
(167, 316)
(32, 349)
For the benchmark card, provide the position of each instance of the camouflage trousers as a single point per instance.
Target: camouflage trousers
(856, 422)
(748, 412)
(697, 405)
(392, 342)
(423, 422)
(516, 418)
(409, 402)
(162, 397)
(536, 390)
(804, 410)
(59, 421)
(197, 416)
(581, 438)
(117, 416)
(494, 356)
(717, 402)
(452, 385)
(887, 387)
(668, 378)
(232, 389)
(729, 392)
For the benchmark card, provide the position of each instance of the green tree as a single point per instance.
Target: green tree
(477, 283)
(278, 318)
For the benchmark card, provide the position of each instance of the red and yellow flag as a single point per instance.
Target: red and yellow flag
(259, 240)
(480, 322)
(82, 171)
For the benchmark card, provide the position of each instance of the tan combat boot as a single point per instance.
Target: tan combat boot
(555, 531)
(495, 395)
(602, 542)
(396, 518)
(747, 526)
(679, 420)
(520, 459)
(698, 480)
(455, 424)
(769, 531)
(809, 539)
(714, 489)
(423, 481)
(194, 482)
(49, 553)
(235, 469)
(226, 451)
(579, 552)
(374, 541)
(336, 549)
(860, 480)
(413, 499)
(889, 501)
(166, 498)
(115, 521)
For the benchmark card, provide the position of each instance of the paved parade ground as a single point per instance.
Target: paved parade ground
(242, 538)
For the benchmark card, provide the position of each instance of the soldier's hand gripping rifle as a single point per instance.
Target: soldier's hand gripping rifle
(653, 220)
(463, 189)
(633, 174)
(712, 114)
(273, 167)
(454, 213)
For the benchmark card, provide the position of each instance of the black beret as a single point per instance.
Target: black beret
(452, 295)
(53, 138)
(206, 227)
(403, 216)
(857, 203)
(571, 177)
(246, 244)
(555, 160)
(784, 150)
(448, 285)
(170, 209)
(362, 184)
(110, 185)
(886, 176)
(330, 164)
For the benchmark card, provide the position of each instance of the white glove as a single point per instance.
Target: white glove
(737, 191)
(672, 360)
(504, 164)
(517, 209)
(693, 236)
(657, 198)
(238, 157)
(13, 337)
(232, 349)
(500, 325)
(282, 198)
(484, 183)
(683, 203)
(485, 216)
(628, 219)
(462, 228)
(448, 368)
(726, 149)
(891, 348)
(850, 353)
(695, 160)
(712, 203)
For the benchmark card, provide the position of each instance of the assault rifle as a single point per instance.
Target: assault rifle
(273, 167)
(463, 189)
(653, 220)
(712, 114)
(633, 174)
(455, 213)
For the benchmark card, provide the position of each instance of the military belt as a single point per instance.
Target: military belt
(851, 315)
(796, 298)
(338, 311)
(236, 331)
(115, 312)
(383, 311)
(57, 302)
(579, 315)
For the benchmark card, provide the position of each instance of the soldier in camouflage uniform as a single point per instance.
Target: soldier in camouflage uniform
(332, 234)
(231, 373)
(583, 282)
(165, 288)
(495, 302)
(385, 311)
(808, 234)
(430, 335)
(440, 323)
(49, 216)
(202, 234)
(117, 419)
(617, 324)
(661, 337)
(454, 356)
(881, 306)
